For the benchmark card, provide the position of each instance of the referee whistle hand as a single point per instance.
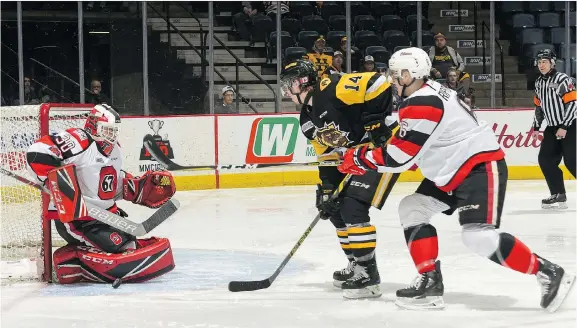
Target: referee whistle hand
(561, 133)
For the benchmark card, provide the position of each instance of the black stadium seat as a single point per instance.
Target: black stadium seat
(301, 9)
(365, 23)
(380, 8)
(292, 53)
(334, 38)
(315, 23)
(291, 25)
(338, 23)
(549, 20)
(523, 20)
(306, 39)
(261, 28)
(379, 53)
(392, 22)
(539, 6)
(286, 41)
(330, 9)
(393, 38)
(364, 39)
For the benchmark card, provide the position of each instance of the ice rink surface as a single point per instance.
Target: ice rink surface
(243, 234)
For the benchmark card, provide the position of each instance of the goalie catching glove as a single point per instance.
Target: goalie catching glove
(153, 189)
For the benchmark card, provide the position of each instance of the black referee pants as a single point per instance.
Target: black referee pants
(550, 155)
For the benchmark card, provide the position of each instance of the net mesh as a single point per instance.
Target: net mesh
(21, 252)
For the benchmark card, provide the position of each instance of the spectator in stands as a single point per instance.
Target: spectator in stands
(96, 96)
(317, 8)
(227, 106)
(444, 57)
(336, 66)
(318, 57)
(30, 95)
(369, 64)
(354, 55)
(242, 21)
(453, 83)
(271, 10)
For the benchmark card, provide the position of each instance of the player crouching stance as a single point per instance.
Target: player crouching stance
(89, 162)
(464, 169)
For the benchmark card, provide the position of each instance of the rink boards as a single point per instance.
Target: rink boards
(236, 142)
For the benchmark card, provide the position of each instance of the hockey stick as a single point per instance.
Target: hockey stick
(245, 286)
(113, 220)
(168, 164)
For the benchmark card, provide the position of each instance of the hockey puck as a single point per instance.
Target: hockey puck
(116, 283)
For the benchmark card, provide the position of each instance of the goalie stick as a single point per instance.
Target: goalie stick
(113, 220)
(168, 164)
(245, 286)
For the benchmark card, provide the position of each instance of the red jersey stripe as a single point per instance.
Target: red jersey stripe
(407, 147)
(421, 112)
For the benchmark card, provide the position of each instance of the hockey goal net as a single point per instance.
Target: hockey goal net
(26, 237)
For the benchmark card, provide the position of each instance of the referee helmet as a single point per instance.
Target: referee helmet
(546, 54)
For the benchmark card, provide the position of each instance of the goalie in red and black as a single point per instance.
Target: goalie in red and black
(86, 164)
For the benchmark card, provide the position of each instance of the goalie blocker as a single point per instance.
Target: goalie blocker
(97, 252)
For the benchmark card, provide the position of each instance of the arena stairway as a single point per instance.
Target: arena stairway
(516, 91)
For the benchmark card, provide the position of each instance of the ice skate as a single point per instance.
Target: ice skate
(558, 201)
(365, 282)
(425, 292)
(555, 283)
(340, 276)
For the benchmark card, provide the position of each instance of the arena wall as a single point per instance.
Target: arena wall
(232, 141)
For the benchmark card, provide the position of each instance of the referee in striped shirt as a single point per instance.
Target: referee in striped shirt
(555, 102)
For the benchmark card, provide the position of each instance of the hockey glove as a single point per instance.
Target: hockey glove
(379, 132)
(325, 205)
(153, 189)
(356, 161)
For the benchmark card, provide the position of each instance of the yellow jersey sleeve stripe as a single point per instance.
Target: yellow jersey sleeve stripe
(377, 88)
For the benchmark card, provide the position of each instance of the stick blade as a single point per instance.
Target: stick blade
(247, 286)
(161, 215)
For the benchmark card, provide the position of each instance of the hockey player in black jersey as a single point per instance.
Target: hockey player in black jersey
(340, 112)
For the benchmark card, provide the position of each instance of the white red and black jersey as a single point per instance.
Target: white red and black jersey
(441, 135)
(99, 176)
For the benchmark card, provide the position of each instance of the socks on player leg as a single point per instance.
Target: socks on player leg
(343, 235)
(423, 246)
(513, 254)
(362, 241)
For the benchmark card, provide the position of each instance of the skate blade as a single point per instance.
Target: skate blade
(567, 282)
(557, 206)
(427, 303)
(367, 292)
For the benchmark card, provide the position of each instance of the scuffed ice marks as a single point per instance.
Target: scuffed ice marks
(195, 270)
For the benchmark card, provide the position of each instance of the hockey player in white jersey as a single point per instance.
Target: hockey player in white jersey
(464, 169)
(90, 160)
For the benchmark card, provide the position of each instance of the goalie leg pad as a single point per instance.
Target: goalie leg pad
(86, 264)
(65, 191)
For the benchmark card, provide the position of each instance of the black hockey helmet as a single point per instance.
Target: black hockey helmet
(546, 54)
(300, 70)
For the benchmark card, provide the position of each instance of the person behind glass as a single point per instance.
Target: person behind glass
(242, 21)
(354, 55)
(555, 103)
(318, 57)
(368, 65)
(453, 84)
(227, 106)
(444, 57)
(336, 66)
(96, 96)
(30, 95)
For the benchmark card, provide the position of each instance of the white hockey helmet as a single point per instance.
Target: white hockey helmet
(415, 60)
(103, 124)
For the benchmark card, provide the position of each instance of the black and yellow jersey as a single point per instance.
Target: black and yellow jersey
(321, 61)
(335, 118)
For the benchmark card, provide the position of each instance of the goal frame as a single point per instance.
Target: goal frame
(46, 252)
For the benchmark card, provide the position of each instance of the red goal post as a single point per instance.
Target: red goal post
(26, 235)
